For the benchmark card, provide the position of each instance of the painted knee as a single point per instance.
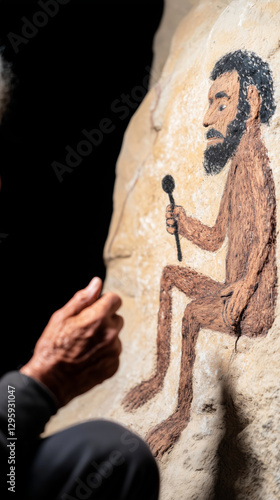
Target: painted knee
(167, 279)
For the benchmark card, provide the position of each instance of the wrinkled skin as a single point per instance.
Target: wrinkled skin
(80, 346)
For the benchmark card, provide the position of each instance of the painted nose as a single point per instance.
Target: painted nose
(208, 118)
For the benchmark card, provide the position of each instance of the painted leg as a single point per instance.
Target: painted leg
(194, 285)
(143, 392)
(200, 313)
(164, 435)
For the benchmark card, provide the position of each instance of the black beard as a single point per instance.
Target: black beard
(216, 156)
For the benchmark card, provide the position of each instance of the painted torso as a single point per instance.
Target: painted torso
(244, 224)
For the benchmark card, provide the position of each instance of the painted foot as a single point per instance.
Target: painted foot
(140, 394)
(162, 437)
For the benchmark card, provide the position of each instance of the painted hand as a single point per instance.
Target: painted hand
(79, 347)
(175, 215)
(239, 294)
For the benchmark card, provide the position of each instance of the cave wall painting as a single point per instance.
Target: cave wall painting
(241, 98)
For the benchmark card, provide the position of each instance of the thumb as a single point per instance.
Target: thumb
(83, 298)
(227, 290)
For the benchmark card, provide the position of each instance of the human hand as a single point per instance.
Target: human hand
(239, 294)
(175, 218)
(79, 347)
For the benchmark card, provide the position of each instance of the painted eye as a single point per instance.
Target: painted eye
(223, 106)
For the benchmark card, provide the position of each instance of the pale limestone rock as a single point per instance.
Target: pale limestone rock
(174, 11)
(233, 435)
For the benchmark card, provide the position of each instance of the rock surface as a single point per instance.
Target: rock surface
(174, 11)
(230, 448)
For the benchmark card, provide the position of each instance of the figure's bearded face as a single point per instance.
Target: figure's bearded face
(226, 119)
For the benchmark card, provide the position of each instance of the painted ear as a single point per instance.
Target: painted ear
(254, 99)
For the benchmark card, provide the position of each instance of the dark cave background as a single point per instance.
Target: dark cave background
(67, 76)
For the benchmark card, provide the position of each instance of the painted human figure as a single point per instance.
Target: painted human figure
(240, 99)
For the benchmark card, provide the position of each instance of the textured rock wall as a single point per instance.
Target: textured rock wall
(174, 11)
(230, 447)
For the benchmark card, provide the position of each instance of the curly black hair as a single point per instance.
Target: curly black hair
(252, 70)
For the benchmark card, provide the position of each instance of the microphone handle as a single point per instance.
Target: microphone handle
(179, 252)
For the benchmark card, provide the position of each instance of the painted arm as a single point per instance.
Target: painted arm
(262, 189)
(263, 194)
(207, 238)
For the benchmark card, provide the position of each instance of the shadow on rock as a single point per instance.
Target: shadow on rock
(238, 471)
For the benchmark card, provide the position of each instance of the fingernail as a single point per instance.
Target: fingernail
(94, 284)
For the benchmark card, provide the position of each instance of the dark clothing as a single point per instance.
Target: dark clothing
(94, 460)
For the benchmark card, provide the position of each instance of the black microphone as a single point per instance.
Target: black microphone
(168, 185)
